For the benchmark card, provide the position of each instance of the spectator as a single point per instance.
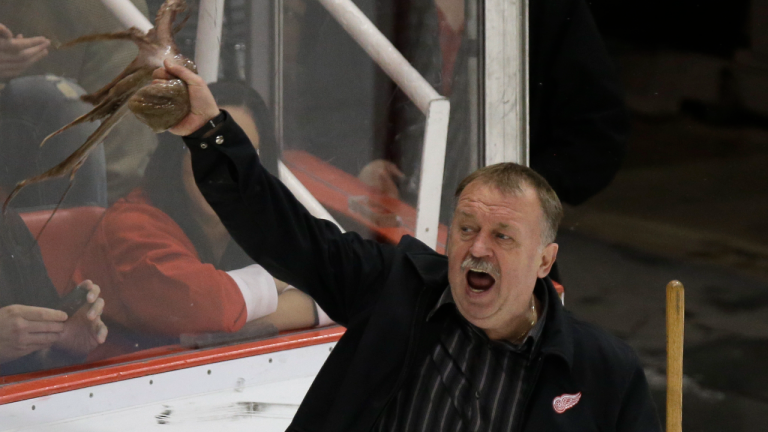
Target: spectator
(33, 335)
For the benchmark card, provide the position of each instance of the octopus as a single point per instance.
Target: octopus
(159, 104)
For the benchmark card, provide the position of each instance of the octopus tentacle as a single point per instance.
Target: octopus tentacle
(121, 91)
(71, 164)
(132, 34)
(97, 113)
(119, 94)
(164, 21)
(101, 94)
(113, 101)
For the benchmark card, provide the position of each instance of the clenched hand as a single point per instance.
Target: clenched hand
(202, 104)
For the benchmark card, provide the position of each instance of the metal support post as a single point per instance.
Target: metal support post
(506, 81)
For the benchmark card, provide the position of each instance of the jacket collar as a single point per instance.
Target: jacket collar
(431, 266)
(557, 337)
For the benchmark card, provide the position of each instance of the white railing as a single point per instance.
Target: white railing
(426, 98)
(210, 18)
(128, 14)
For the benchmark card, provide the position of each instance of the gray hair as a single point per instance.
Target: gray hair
(510, 178)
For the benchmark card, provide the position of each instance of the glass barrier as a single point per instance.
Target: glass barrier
(341, 108)
(134, 223)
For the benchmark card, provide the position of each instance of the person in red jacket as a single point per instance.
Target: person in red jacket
(166, 264)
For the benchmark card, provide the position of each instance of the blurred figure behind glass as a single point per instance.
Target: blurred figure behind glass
(347, 114)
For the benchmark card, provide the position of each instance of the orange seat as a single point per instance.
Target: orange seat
(64, 239)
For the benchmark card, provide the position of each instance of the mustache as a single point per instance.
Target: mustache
(481, 265)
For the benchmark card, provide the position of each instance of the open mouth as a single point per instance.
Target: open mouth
(479, 281)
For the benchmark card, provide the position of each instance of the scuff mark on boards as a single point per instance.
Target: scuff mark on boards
(235, 411)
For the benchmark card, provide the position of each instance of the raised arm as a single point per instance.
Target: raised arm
(342, 272)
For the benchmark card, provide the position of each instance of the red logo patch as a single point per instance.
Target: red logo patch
(565, 402)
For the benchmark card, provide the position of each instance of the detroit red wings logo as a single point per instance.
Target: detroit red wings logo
(565, 402)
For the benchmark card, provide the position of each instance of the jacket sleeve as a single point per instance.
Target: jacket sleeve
(342, 272)
(155, 282)
(579, 123)
(638, 412)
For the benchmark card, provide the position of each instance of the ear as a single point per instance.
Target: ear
(548, 256)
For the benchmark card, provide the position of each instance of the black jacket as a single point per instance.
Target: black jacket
(382, 293)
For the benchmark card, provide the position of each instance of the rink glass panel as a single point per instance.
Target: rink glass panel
(134, 225)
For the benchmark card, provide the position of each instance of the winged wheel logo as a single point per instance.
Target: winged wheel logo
(565, 402)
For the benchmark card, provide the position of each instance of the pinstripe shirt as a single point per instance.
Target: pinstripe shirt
(467, 382)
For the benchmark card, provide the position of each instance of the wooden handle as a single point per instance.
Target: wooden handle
(675, 327)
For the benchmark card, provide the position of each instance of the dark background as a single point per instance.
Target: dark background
(690, 203)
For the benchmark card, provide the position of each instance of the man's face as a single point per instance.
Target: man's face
(495, 254)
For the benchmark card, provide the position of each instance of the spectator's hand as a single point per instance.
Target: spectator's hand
(26, 329)
(203, 105)
(18, 53)
(382, 176)
(84, 331)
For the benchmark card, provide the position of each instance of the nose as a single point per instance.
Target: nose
(480, 247)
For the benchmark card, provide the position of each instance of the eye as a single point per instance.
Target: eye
(466, 231)
(502, 236)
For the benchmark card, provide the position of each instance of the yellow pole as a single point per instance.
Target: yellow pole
(675, 327)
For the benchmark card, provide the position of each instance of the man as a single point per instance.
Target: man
(475, 341)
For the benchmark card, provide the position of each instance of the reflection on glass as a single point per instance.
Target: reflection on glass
(167, 270)
(342, 109)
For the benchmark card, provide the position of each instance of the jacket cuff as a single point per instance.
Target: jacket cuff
(209, 125)
(227, 133)
(322, 318)
(214, 157)
(258, 289)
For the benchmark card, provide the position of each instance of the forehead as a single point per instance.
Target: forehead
(486, 202)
